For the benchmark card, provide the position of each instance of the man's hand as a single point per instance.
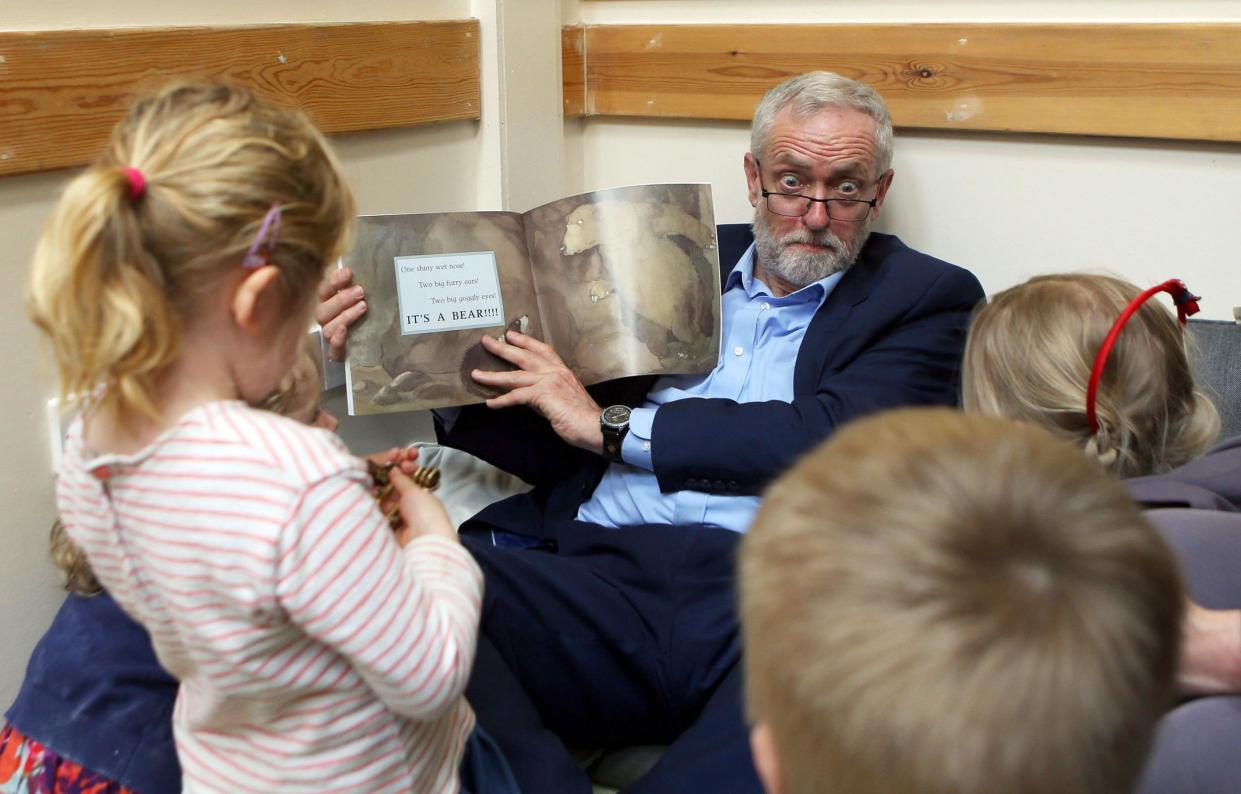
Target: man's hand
(340, 306)
(543, 382)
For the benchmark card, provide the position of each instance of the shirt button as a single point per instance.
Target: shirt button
(646, 446)
(765, 306)
(738, 350)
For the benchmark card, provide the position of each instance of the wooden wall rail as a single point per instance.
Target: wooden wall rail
(61, 91)
(1139, 80)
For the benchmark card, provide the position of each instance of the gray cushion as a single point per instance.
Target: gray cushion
(1215, 354)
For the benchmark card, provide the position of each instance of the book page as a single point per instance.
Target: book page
(628, 280)
(435, 283)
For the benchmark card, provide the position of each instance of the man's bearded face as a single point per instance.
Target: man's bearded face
(798, 265)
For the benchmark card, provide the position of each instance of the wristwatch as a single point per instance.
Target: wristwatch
(614, 422)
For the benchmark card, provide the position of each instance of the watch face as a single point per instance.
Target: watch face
(616, 415)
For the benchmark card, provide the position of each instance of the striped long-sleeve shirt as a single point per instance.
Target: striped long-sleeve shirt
(314, 654)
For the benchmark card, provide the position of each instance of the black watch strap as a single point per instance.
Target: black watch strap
(614, 424)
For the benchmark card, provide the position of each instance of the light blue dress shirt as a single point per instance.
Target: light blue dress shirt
(761, 337)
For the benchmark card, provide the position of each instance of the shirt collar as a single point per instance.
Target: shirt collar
(743, 275)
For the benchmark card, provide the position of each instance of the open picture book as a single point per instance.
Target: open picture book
(620, 282)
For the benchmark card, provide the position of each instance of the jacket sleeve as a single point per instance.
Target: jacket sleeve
(723, 446)
(522, 443)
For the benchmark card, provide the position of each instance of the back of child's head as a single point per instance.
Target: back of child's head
(299, 395)
(1030, 353)
(142, 238)
(936, 603)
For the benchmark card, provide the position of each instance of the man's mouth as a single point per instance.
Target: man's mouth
(809, 246)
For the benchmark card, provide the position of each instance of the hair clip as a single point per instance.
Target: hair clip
(265, 240)
(137, 182)
(1186, 304)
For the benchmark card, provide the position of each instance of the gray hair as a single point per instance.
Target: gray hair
(811, 92)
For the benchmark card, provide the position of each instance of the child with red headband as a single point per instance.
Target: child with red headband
(316, 649)
(1103, 363)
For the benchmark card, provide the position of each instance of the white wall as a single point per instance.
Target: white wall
(1006, 207)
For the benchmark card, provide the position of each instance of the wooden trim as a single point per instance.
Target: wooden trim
(1138, 80)
(573, 69)
(62, 91)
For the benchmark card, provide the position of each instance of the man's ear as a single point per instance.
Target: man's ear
(254, 299)
(752, 180)
(881, 191)
(766, 759)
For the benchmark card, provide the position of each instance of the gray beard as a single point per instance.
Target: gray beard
(800, 267)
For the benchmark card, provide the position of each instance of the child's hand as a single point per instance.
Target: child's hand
(422, 513)
(401, 456)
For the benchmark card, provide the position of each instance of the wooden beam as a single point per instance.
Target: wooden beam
(1138, 80)
(62, 91)
(573, 69)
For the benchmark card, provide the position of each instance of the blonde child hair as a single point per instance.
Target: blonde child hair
(936, 603)
(141, 238)
(1030, 353)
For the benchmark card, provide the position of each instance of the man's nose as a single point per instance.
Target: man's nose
(816, 217)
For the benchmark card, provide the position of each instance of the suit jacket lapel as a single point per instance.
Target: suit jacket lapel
(830, 324)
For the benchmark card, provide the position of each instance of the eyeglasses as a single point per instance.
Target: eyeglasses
(795, 205)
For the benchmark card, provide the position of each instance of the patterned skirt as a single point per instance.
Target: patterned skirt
(27, 767)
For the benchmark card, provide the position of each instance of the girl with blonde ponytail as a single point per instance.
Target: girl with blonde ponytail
(316, 649)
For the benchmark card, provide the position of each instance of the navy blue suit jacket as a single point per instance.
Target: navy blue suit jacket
(891, 333)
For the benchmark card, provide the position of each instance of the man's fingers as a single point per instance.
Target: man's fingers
(336, 280)
(524, 351)
(334, 305)
(336, 330)
(505, 380)
(510, 353)
(535, 346)
(337, 342)
(524, 396)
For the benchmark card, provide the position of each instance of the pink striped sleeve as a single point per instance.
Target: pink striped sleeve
(406, 620)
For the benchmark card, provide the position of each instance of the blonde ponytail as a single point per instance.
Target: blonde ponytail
(117, 271)
(100, 297)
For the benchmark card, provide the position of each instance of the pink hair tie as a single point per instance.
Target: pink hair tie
(137, 182)
(1186, 304)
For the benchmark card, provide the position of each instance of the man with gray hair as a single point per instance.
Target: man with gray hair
(609, 615)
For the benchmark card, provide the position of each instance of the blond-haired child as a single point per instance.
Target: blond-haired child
(1039, 352)
(935, 603)
(316, 650)
(1030, 356)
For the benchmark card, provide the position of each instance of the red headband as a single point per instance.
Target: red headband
(1186, 304)
(137, 182)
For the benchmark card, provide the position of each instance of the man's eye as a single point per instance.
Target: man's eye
(848, 188)
(790, 183)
